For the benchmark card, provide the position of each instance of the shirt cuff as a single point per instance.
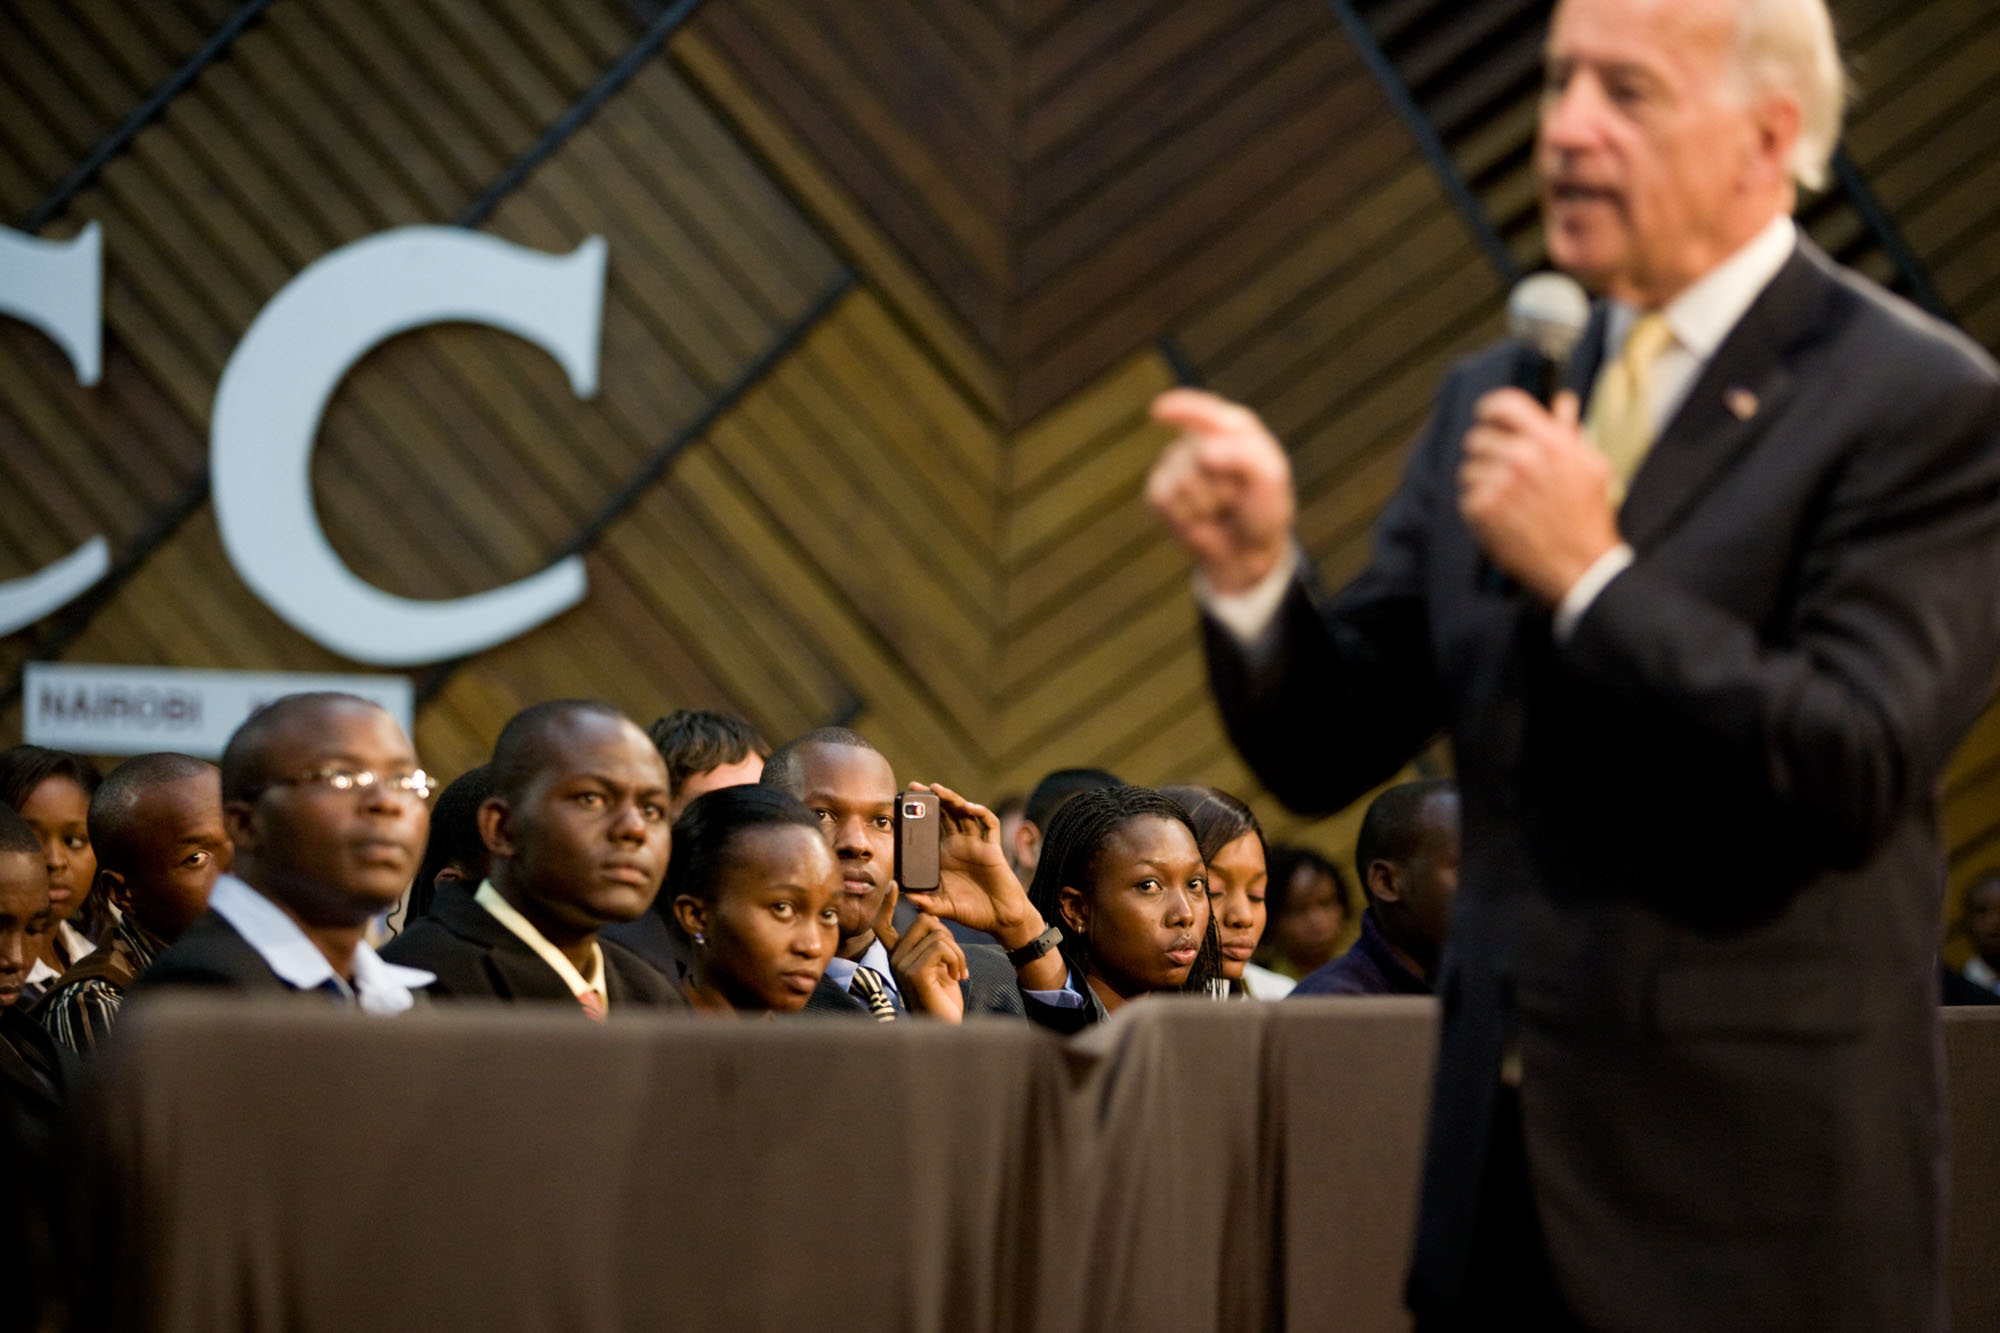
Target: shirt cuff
(1069, 997)
(1247, 614)
(1585, 590)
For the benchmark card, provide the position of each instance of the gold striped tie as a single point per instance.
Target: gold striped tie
(868, 988)
(1621, 415)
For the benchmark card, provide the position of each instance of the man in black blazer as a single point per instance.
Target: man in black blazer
(577, 833)
(1688, 1073)
(849, 784)
(324, 803)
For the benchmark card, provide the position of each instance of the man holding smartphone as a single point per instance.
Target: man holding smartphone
(850, 786)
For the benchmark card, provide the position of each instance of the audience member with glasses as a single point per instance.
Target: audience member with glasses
(325, 803)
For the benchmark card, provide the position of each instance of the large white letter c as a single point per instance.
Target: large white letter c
(277, 385)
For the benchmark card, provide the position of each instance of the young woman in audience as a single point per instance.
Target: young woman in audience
(1121, 872)
(1232, 846)
(51, 789)
(1308, 906)
(753, 885)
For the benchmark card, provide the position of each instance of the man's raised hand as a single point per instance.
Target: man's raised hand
(1223, 488)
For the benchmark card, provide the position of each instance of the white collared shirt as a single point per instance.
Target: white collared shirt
(1699, 318)
(525, 930)
(379, 987)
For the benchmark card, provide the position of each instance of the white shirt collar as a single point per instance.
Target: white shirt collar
(379, 987)
(1702, 316)
(525, 930)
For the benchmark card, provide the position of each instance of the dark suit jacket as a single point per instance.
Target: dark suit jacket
(209, 954)
(475, 956)
(37, 1075)
(1701, 873)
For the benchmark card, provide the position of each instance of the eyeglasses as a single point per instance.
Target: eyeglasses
(415, 783)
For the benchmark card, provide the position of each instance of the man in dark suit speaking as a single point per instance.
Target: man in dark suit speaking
(1703, 642)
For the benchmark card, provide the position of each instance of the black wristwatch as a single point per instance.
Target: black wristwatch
(1035, 948)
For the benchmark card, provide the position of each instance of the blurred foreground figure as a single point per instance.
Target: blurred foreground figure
(1703, 630)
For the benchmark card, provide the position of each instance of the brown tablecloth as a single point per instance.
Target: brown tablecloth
(1188, 1166)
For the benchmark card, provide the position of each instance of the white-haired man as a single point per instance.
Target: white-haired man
(1703, 643)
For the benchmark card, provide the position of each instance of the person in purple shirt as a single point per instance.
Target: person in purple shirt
(1407, 857)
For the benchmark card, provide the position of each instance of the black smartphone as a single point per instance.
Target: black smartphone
(916, 841)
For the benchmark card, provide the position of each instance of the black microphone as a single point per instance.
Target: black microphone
(1547, 312)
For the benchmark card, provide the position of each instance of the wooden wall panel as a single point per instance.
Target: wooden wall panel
(890, 287)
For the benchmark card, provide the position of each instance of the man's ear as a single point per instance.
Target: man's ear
(1776, 126)
(1027, 842)
(1384, 884)
(111, 884)
(239, 820)
(496, 826)
(1074, 909)
(692, 914)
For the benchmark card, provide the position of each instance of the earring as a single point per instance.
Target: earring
(700, 940)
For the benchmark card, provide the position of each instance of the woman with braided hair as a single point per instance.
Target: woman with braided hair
(1121, 872)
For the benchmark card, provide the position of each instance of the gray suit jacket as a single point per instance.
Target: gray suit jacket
(1702, 872)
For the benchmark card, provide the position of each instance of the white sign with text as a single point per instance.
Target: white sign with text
(136, 710)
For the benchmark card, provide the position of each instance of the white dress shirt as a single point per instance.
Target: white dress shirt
(378, 988)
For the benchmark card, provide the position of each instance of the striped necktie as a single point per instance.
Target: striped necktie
(592, 1001)
(867, 987)
(1621, 409)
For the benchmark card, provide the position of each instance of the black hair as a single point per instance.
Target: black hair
(1283, 860)
(1396, 824)
(246, 760)
(1050, 793)
(1217, 818)
(782, 768)
(711, 826)
(454, 836)
(26, 767)
(521, 751)
(17, 836)
(113, 804)
(1070, 847)
(694, 740)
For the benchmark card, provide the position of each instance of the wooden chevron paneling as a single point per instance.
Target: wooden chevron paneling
(891, 286)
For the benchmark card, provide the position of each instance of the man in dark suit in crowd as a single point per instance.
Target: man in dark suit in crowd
(324, 803)
(36, 1162)
(849, 784)
(34, 1070)
(1688, 1070)
(156, 829)
(577, 834)
(1407, 857)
